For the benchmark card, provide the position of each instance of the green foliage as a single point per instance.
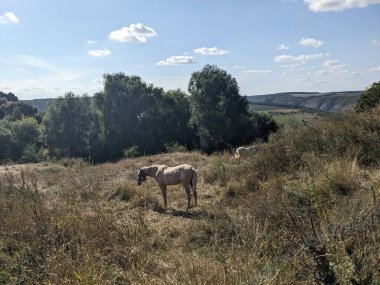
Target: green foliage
(219, 113)
(70, 126)
(18, 135)
(369, 99)
(31, 154)
(353, 136)
(175, 110)
(13, 111)
(25, 134)
(130, 115)
(174, 147)
(5, 142)
(10, 97)
(132, 112)
(265, 125)
(120, 107)
(131, 152)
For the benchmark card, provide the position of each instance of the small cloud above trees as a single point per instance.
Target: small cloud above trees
(133, 33)
(177, 60)
(9, 17)
(211, 51)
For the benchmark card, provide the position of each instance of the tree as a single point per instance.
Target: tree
(218, 112)
(175, 113)
(13, 111)
(25, 134)
(68, 126)
(265, 125)
(122, 106)
(369, 99)
(17, 136)
(5, 142)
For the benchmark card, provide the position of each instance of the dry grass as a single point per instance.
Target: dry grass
(257, 222)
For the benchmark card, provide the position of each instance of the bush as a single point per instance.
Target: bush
(175, 147)
(369, 99)
(131, 152)
(352, 136)
(31, 154)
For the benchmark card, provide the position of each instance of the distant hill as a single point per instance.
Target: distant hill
(40, 104)
(328, 102)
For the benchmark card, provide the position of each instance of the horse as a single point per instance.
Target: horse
(243, 152)
(182, 174)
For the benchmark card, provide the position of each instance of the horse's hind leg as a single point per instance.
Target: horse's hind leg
(195, 196)
(163, 190)
(193, 185)
(187, 190)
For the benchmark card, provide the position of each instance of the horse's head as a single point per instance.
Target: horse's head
(141, 176)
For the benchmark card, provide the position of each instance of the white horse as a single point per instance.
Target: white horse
(244, 152)
(164, 175)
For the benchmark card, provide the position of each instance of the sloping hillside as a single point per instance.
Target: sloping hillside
(329, 102)
(40, 104)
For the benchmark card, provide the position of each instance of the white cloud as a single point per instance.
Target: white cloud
(176, 60)
(291, 66)
(8, 17)
(309, 42)
(257, 71)
(334, 64)
(355, 73)
(302, 57)
(91, 42)
(377, 68)
(237, 66)
(99, 52)
(376, 42)
(211, 51)
(337, 5)
(133, 33)
(323, 72)
(283, 47)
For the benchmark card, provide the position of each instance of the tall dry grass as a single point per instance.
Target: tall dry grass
(303, 210)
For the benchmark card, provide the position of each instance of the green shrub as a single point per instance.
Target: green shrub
(175, 147)
(31, 154)
(131, 152)
(369, 99)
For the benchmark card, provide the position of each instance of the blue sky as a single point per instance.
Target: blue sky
(52, 47)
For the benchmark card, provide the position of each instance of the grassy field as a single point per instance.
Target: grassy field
(303, 210)
(287, 115)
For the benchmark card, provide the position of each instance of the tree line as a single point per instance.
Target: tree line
(130, 117)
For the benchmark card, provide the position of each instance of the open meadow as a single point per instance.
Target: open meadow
(304, 209)
(104, 105)
(290, 115)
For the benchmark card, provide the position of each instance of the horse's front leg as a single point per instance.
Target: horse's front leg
(163, 190)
